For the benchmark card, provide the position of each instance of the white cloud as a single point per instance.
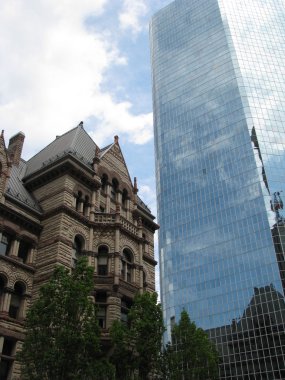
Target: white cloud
(51, 73)
(131, 15)
(138, 128)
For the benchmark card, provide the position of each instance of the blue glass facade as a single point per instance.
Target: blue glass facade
(219, 115)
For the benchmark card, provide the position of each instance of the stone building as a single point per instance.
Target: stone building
(70, 199)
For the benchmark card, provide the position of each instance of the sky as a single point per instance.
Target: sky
(66, 61)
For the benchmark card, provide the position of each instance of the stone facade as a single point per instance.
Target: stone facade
(70, 199)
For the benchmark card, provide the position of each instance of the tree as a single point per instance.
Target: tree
(63, 336)
(137, 344)
(191, 355)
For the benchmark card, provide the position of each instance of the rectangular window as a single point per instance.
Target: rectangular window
(101, 316)
(102, 265)
(7, 357)
(5, 243)
(23, 252)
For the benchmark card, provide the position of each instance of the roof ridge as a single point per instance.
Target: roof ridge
(57, 137)
(79, 127)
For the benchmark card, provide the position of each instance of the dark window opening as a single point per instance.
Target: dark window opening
(101, 316)
(78, 200)
(86, 205)
(126, 304)
(2, 290)
(7, 358)
(124, 198)
(76, 249)
(115, 185)
(103, 260)
(101, 300)
(126, 265)
(16, 301)
(23, 252)
(104, 181)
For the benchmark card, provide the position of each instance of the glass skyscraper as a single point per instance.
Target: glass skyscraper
(219, 114)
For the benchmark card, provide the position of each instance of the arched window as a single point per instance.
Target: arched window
(102, 260)
(17, 300)
(126, 265)
(77, 248)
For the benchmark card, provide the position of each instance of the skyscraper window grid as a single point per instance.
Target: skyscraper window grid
(218, 95)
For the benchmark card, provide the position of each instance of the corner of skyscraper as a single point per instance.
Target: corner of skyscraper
(218, 73)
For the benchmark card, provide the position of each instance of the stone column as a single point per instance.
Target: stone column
(31, 256)
(113, 310)
(23, 307)
(14, 249)
(90, 245)
(108, 201)
(6, 300)
(119, 197)
(80, 206)
(93, 206)
(1, 343)
(117, 246)
(128, 202)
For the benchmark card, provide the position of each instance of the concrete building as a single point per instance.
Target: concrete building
(219, 113)
(70, 199)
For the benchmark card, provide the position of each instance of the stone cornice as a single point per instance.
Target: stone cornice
(66, 164)
(149, 259)
(17, 263)
(19, 219)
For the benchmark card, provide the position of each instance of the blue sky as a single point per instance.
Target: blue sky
(63, 61)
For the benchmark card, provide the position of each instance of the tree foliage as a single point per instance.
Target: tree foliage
(62, 340)
(137, 345)
(191, 355)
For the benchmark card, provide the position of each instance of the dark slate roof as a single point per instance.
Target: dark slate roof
(17, 191)
(143, 205)
(105, 149)
(76, 142)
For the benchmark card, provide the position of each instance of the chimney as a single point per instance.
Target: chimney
(15, 147)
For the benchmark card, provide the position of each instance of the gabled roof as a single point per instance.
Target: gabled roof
(76, 141)
(104, 150)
